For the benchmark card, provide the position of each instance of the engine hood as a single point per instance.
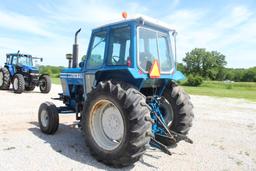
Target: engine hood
(27, 68)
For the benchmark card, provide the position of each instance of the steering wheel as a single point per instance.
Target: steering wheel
(115, 59)
(146, 59)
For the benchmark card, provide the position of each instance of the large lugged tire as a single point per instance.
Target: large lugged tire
(4, 79)
(45, 84)
(182, 109)
(18, 83)
(48, 118)
(30, 87)
(116, 123)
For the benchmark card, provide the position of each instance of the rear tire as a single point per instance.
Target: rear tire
(48, 118)
(131, 106)
(18, 83)
(180, 107)
(4, 79)
(45, 84)
(178, 112)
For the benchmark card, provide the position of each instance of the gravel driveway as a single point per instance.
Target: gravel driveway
(224, 135)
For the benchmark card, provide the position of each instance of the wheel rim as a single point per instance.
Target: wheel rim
(167, 111)
(44, 118)
(43, 85)
(1, 78)
(107, 125)
(15, 83)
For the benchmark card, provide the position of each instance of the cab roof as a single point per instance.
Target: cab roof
(18, 54)
(139, 19)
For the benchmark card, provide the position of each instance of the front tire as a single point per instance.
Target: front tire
(18, 83)
(48, 118)
(45, 84)
(4, 79)
(118, 140)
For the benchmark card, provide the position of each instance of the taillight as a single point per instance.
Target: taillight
(129, 62)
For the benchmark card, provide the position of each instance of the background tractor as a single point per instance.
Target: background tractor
(124, 93)
(19, 71)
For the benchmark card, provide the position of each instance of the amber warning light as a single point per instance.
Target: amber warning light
(124, 15)
(154, 70)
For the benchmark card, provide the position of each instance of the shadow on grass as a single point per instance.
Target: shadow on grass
(70, 142)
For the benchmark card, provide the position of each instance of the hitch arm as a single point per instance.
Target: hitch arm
(178, 137)
(160, 146)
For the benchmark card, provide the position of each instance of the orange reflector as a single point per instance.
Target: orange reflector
(154, 70)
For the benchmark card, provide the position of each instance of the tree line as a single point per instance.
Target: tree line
(198, 63)
(211, 65)
(53, 71)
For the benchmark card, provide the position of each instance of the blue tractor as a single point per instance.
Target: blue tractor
(124, 92)
(19, 71)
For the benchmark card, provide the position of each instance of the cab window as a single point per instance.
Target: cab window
(14, 60)
(97, 51)
(119, 46)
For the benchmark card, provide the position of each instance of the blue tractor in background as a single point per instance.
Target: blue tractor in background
(19, 71)
(124, 92)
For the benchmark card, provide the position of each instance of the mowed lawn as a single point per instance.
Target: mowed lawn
(245, 90)
(55, 80)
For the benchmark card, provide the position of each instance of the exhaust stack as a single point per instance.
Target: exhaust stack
(75, 51)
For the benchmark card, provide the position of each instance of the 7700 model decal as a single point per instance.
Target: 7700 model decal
(71, 75)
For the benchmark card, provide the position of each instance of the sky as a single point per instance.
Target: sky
(45, 28)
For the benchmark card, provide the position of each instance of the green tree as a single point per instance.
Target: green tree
(204, 63)
(249, 75)
(181, 67)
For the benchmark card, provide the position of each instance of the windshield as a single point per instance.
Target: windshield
(22, 60)
(154, 45)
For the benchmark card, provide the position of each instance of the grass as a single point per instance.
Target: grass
(55, 80)
(245, 90)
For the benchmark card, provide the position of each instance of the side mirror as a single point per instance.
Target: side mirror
(81, 64)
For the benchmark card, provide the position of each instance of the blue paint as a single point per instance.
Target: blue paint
(156, 127)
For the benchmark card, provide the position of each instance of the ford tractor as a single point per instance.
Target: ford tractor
(124, 93)
(19, 71)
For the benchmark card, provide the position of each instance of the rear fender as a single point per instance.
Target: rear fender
(120, 75)
(178, 76)
(10, 69)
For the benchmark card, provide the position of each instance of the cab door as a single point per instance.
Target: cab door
(95, 58)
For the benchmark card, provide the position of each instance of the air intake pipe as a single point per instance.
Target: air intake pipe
(75, 51)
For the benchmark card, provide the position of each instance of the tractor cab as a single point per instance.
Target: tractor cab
(16, 62)
(19, 59)
(139, 51)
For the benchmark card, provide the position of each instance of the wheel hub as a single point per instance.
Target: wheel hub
(112, 123)
(107, 125)
(1, 78)
(43, 84)
(44, 118)
(166, 109)
(15, 83)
